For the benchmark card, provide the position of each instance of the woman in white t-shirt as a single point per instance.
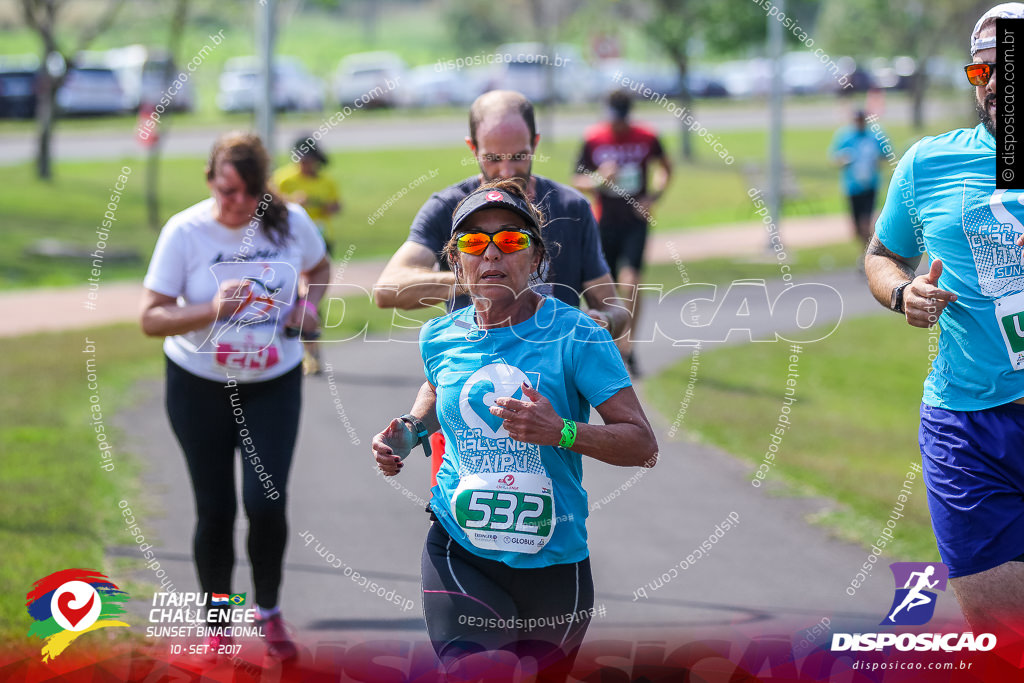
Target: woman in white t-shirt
(223, 288)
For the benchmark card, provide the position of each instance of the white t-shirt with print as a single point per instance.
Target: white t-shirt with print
(195, 253)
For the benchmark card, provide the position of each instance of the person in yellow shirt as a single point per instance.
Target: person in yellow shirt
(303, 183)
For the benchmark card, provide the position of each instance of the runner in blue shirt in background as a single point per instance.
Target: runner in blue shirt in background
(943, 200)
(510, 383)
(859, 152)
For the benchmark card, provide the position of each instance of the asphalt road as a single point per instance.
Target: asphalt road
(773, 573)
(427, 131)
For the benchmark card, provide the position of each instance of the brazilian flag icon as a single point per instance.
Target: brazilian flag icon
(237, 599)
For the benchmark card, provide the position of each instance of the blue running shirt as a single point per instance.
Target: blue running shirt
(503, 499)
(865, 150)
(942, 199)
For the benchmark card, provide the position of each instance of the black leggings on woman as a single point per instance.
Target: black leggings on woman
(472, 604)
(260, 419)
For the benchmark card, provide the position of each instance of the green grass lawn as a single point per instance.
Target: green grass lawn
(71, 207)
(806, 261)
(58, 507)
(854, 424)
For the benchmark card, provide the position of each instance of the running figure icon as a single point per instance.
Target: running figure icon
(916, 597)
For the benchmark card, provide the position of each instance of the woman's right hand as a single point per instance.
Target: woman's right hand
(392, 445)
(230, 297)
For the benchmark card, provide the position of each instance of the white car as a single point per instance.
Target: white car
(295, 89)
(90, 90)
(140, 72)
(372, 78)
(805, 74)
(746, 78)
(525, 67)
(426, 86)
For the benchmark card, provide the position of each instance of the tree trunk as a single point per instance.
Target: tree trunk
(153, 185)
(41, 16)
(919, 88)
(46, 104)
(174, 39)
(370, 14)
(686, 102)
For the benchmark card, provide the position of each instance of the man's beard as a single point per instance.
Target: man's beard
(982, 110)
(524, 178)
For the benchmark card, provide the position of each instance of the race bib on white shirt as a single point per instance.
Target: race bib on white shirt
(507, 511)
(246, 353)
(1010, 318)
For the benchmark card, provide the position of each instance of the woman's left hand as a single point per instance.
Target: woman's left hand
(304, 317)
(531, 421)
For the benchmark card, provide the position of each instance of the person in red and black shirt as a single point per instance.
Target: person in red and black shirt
(613, 165)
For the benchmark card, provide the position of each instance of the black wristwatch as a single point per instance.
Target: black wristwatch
(896, 299)
(420, 429)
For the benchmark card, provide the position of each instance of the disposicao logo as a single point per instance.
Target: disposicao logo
(914, 602)
(913, 605)
(71, 602)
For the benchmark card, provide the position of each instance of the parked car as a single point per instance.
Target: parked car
(804, 74)
(660, 78)
(373, 78)
(746, 77)
(294, 89)
(426, 86)
(858, 78)
(140, 72)
(90, 90)
(894, 74)
(701, 84)
(525, 67)
(18, 84)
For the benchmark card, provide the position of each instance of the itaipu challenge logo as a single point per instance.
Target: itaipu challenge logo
(68, 603)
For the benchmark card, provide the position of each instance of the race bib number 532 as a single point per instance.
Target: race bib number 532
(507, 511)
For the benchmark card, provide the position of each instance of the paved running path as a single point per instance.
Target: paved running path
(116, 140)
(773, 574)
(49, 309)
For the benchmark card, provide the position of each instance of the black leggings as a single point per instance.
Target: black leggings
(210, 425)
(472, 604)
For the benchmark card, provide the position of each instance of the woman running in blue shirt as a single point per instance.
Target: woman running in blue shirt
(510, 383)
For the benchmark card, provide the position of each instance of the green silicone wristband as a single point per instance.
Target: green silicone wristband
(568, 434)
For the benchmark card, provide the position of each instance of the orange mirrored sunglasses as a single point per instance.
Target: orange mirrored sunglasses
(979, 74)
(508, 241)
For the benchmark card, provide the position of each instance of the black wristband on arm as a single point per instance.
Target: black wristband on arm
(420, 429)
(896, 298)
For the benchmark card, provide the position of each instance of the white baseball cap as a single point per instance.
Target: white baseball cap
(1007, 10)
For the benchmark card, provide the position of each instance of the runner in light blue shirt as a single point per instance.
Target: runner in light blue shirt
(944, 200)
(510, 382)
(571, 361)
(859, 151)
